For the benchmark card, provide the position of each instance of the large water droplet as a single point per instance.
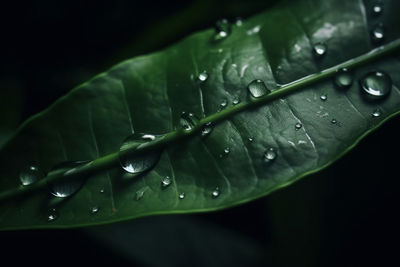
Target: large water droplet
(222, 28)
(68, 187)
(140, 162)
(378, 33)
(188, 121)
(319, 49)
(203, 76)
(270, 154)
(343, 78)
(376, 85)
(298, 126)
(165, 182)
(30, 175)
(257, 89)
(181, 196)
(52, 215)
(216, 192)
(376, 113)
(207, 129)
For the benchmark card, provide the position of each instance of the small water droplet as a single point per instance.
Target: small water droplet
(207, 129)
(258, 89)
(343, 78)
(141, 162)
(298, 126)
(251, 139)
(216, 192)
(223, 105)
(227, 150)
(203, 76)
(30, 175)
(377, 9)
(376, 113)
(376, 85)
(94, 209)
(102, 190)
(319, 49)
(270, 154)
(222, 29)
(333, 121)
(52, 215)
(165, 182)
(235, 101)
(188, 121)
(378, 33)
(181, 195)
(323, 97)
(64, 189)
(140, 193)
(239, 21)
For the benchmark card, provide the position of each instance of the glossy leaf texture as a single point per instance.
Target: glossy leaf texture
(247, 156)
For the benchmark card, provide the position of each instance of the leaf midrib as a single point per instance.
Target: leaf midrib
(112, 160)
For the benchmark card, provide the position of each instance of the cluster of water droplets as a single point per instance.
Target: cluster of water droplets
(374, 85)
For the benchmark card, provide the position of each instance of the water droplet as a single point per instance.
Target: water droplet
(203, 76)
(72, 185)
(223, 29)
(376, 113)
(333, 121)
(298, 126)
(181, 196)
(239, 21)
(216, 192)
(258, 89)
(188, 121)
(102, 190)
(165, 182)
(251, 139)
(319, 49)
(323, 97)
(227, 150)
(235, 101)
(270, 154)
(343, 78)
(378, 33)
(223, 105)
(94, 209)
(30, 175)
(377, 9)
(376, 85)
(52, 215)
(140, 193)
(207, 129)
(141, 162)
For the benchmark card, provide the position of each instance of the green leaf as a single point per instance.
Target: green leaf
(147, 94)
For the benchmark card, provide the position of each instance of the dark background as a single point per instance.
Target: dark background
(345, 215)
